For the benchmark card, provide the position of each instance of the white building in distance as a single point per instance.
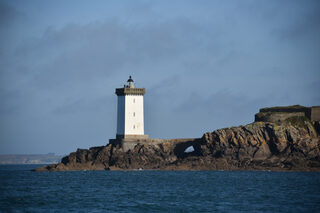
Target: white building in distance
(130, 114)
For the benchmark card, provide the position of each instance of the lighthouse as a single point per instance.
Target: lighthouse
(130, 113)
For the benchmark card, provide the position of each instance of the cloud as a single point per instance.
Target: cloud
(299, 22)
(222, 105)
(83, 105)
(98, 50)
(8, 15)
(77, 59)
(204, 66)
(9, 106)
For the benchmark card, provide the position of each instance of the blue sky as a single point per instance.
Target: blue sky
(205, 65)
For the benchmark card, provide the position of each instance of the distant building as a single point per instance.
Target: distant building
(278, 114)
(130, 113)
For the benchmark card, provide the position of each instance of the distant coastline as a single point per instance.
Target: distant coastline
(30, 159)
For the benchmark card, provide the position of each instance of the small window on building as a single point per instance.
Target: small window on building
(134, 114)
(134, 126)
(134, 100)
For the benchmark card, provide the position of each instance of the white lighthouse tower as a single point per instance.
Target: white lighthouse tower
(130, 118)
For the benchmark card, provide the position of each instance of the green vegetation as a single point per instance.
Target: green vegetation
(285, 107)
(298, 121)
(294, 108)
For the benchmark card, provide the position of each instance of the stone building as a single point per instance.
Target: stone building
(278, 114)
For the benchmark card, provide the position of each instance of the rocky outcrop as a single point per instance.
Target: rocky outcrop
(291, 145)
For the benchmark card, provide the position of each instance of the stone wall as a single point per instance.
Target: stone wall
(315, 113)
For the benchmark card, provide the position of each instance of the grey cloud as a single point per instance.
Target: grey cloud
(297, 20)
(8, 15)
(10, 105)
(200, 113)
(306, 26)
(223, 108)
(204, 66)
(12, 24)
(105, 48)
(83, 105)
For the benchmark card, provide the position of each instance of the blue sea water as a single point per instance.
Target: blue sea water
(157, 191)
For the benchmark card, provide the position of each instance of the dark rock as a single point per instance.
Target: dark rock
(257, 146)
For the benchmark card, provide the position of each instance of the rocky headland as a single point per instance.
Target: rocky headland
(291, 143)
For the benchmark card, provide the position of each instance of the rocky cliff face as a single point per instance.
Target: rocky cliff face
(291, 145)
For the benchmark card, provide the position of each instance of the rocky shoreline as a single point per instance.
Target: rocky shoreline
(291, 145)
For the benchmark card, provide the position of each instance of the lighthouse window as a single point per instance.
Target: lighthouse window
(134, 114)
(134, 126)
(134, 100)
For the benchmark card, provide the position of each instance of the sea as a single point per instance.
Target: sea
(22, 190)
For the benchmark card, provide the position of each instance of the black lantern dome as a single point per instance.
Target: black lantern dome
(130, 79)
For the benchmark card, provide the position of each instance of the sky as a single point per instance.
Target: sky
(205, 65)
